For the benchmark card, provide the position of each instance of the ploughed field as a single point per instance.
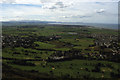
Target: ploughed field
(60, 51)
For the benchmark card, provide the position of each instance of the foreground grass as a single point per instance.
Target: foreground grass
(74, 68)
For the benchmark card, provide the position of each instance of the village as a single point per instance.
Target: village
(107, 45)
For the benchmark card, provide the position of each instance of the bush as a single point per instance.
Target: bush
(21, 62)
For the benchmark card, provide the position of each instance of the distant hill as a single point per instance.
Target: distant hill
(11, 23)
(98, 25)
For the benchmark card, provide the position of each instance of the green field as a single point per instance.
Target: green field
(60, 52)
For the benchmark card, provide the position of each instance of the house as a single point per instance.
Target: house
(58, 58)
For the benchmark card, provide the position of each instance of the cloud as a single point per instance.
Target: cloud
(100, 11)
(60, 4)
(27, 1)
(20, 1)
(55, 5)
(8, 1)
(77, 16)
(99, 3)
(50, 1)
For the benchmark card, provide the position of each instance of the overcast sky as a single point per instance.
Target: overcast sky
(87, 11)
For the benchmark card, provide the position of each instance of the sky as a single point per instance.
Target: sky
(87, 11)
